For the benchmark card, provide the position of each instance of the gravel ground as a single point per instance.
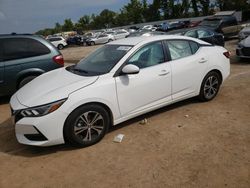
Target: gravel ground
(188, 144)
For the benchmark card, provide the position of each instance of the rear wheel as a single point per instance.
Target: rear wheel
(25, 80)
(210, 86)
(87, 125)
(92, 43)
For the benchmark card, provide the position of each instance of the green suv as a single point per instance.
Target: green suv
(24, 57)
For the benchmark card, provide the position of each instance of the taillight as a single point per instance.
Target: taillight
(59, 60)
(227, 54)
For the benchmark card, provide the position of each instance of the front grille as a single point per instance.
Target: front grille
(245, 51)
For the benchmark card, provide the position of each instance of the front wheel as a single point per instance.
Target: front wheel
(210, 86)
(87, 125)
(60, 46)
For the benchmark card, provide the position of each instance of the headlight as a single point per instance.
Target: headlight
(42, 110)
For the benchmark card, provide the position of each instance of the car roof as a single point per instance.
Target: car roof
(132, 41)
(184, 30)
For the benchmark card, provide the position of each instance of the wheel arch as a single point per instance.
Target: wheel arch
(218, 72)
(106, 107)
(28, 72)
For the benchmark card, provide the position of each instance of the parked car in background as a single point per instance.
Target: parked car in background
(120, 34)
(119, 81)
(24, 57)
(148, 28)
(146, 33)
(58, 42)
(202, 33)
(176, 25)
(244, 33)
(227, 25)
(194, 23)
(133, 29)
(75, 40)
(163, 27)
(101, 39)
(243, 48)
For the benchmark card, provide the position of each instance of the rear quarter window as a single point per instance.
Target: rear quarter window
(194, 47)
(18, 48)
(181, 48)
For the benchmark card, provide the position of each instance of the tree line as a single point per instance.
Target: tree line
(140, 11)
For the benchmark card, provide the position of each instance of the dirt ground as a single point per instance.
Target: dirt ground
(188, 144)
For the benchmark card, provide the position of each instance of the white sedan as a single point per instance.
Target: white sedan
(119, 81)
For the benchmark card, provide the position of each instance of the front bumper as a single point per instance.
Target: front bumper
(40, 131)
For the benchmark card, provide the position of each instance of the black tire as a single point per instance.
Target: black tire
(60, 46)
(110, 40)
(25, 80)
(210, 86)
(76, 130)
(92, 43)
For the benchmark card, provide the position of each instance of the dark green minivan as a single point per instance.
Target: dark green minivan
(24, 57)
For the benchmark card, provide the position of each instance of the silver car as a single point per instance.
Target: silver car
(243, 48)
(101, 39)
(244, 33)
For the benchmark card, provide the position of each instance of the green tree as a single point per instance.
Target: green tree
(195, 7)
(153, 12)
(68, 25)
(133, 11)
(205, 6)
(233, 4)
(58, 28)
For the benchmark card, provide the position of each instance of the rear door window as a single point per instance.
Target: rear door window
(18, 48)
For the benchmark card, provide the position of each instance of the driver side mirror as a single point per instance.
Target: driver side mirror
(130, 69)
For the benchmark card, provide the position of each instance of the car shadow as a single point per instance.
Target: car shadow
(5, 100)
(10, 146)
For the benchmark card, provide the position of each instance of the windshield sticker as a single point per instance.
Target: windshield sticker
(124, 48)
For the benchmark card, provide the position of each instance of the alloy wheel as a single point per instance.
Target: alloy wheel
(89, 126)
(211, 87)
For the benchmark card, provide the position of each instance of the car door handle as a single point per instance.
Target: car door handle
(164, 72)
(202, 60)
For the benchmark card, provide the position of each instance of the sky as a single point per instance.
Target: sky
(29, 16)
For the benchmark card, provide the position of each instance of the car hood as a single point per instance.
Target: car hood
(52, 86)
(245, 42)
(245, 29)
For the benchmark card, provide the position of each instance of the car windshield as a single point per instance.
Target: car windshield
(100, 61)
(210, 23)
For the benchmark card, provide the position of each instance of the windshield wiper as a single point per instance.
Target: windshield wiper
(74, 69)
(80, 70)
